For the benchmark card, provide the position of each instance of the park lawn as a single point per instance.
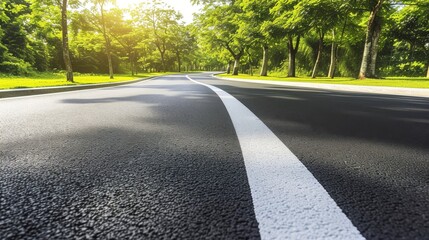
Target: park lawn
(56, 79)
(407, 82)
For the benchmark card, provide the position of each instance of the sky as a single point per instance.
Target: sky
(183, 6)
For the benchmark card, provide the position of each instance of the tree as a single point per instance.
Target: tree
(319, 16)
(283, 12)
(257, 27)
(65, 41)
(411, 27)
(373, 32)
(161, 20)
(3, 19)
(17, 55)
(57, 11)
(219, 25)
(183, 44)
(98, 19)
(127, 35)
(387, 37)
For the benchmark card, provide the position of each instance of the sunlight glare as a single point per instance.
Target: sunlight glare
(183, 6)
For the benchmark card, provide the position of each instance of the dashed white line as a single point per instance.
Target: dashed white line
(289, 202)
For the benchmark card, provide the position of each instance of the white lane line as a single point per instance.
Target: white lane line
(289, 202)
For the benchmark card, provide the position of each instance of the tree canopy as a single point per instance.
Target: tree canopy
(359, 38)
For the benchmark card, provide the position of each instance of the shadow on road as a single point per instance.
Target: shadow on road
(369, 151)
(167, 167)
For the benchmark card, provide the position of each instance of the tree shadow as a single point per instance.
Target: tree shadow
(382, 118)
(368, 151)
(178, 169)
(168, 167)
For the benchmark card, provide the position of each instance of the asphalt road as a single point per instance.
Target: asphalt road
(162, 159)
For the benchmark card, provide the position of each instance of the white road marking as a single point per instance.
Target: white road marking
(289, 202)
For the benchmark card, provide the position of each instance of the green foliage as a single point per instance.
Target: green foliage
(402, 48)
(410, 35)
(18, 67)
(164, 31)
(30, 37)
(151, 36)
(219, 26)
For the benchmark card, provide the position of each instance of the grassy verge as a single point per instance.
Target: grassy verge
(408, 82)
(56, 79)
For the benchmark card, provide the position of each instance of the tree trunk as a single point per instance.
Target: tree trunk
(249, 61)
(65, 36)
(373, 23)
(179, 62)
(130, 59)
(109, 59)
(333, 63)
(162, 61)
(319, 55)
(236, 56)
(228, 68)
(292, 55)
(364, 63)
(427, 74)
(107, 40)
(236, 65)
(334, 50)
(374, 50)
(292, 67)
(135, 63)
(264, 68)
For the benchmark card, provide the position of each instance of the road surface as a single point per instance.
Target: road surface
(198, 157)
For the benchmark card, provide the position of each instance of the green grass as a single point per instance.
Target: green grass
(408, 82)
(57, 79)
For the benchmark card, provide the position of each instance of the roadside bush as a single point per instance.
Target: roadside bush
(16, 68)
(411, 69)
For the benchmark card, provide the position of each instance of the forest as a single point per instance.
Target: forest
(314, 38)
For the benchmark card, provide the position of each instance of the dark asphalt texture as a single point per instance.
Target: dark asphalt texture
(160, 160)
(152, 160)
(370, 152)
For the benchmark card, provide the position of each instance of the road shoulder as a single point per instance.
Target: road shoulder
(411, 92)
(10, 93)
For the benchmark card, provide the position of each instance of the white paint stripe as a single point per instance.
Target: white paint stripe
(289, 202)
